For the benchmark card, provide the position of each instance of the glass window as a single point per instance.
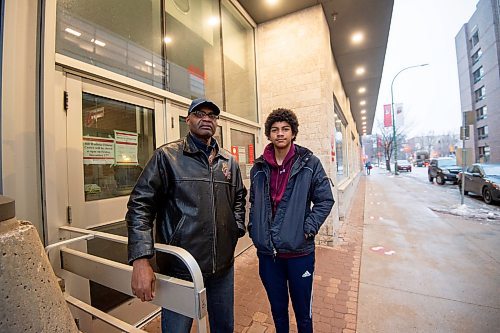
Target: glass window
(484, 154)
(479, 94)
(184, 130)
(482, 132)
(475, 57)
(239, 64)
(243, 149)
(474, 39)
(339, 150)
(118, 140)
(482, 113)
(123, 36)
(193, 49)
(478, 74)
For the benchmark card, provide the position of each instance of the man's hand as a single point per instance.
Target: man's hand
(143, 280)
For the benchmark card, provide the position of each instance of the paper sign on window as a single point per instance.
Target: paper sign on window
(126, 148)
(98, 150)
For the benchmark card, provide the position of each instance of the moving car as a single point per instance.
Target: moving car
(421, 157)
(482, 179)
(404, 165)
(443, 169)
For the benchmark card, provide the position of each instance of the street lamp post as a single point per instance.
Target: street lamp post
(394, 141)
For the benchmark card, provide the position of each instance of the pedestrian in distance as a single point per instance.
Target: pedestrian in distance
(368, 166)
(194, 190)
(285, 180)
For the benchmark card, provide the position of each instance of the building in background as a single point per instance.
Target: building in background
(478, 54)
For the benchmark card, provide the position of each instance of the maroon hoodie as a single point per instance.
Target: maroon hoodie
(279, 173)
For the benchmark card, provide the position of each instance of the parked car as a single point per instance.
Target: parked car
(443, 169)
(482, 179)
(404, 165)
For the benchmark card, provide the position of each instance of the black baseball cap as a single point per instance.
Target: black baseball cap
(196, 104)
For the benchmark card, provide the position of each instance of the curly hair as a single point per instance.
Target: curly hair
(285, 115)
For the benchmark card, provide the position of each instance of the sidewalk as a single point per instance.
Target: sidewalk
(336, 283)
(421, 271)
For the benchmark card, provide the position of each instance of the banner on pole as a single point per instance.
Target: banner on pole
(400, 120)
(387, 115)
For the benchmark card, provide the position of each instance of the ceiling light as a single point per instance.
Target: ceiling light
(363, 123)
(149, 63)
(213, 21)
(167, 40)
(362, 90)
(363, 118)
(272, 2)
(98, 42)
(363, 102)
(363, 111)
(73, 32)
(360, 70)
(357, 37)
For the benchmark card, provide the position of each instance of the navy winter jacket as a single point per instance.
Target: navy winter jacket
(308, 183)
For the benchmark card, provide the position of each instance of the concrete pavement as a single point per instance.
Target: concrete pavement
(336, 282)
(422, 271)
(400, 267)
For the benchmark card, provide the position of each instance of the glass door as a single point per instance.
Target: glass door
(242, 144)
(111, 134)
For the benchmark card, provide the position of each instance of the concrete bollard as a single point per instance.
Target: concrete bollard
(30, 297)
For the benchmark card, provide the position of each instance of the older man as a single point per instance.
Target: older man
(194, 190)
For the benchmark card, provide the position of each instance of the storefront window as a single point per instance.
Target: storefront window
(343, 151)
(243, 149)
(193, 49)
(118, 140)
(179, 49)
(123, 36)
(239, 64)
(339, 142)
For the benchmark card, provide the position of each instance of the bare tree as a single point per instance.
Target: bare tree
(388, 142)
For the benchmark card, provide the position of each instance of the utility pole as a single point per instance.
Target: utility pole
(463, 134)
(394, 142)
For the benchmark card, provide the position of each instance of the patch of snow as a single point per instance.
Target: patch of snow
(469, 212)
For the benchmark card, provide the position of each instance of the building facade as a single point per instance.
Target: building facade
(90, 88)
(478, 54)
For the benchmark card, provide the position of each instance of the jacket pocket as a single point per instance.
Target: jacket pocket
(177, 232)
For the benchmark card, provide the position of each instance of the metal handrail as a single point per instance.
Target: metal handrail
(102, 271)
(108, 319)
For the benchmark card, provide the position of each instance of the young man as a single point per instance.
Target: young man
(285, 180)
(194, 190)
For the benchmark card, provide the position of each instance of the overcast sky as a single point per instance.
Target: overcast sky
(423, 31)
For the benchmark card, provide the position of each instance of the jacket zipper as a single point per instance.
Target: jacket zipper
(214, 257)
(271, 212)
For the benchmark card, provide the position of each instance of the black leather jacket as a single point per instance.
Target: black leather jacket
(198, 207)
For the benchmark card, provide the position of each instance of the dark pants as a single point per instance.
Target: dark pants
(295, 275)
(220, 306)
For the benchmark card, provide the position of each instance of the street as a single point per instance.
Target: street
(428, 264)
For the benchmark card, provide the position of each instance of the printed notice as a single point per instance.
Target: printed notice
(242, 154)
(98, 150)
(126, 148)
